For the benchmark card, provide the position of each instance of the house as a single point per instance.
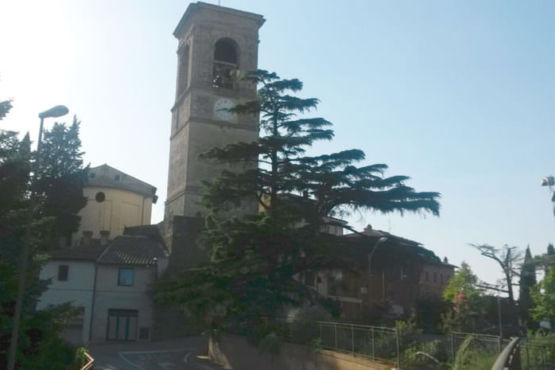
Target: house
(109, 282)
(387, 275)
(72, 276)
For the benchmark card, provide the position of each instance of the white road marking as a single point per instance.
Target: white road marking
(166, 365)
(156, 351)
(122, 355)
(186, 358)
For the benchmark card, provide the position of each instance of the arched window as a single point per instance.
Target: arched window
(226, 60)
(183, 73)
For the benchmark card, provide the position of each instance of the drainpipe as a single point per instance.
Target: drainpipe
(93, 301)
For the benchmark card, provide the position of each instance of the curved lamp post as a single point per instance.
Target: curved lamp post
(57, 111)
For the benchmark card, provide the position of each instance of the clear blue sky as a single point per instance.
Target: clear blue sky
(459, 95)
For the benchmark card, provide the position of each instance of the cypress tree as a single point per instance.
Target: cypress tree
(527, 281)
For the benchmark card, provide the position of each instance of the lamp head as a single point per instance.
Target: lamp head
(548, 181)
(57, 111)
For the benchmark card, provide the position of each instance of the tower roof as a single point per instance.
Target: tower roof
(110, 177)
(200, 6)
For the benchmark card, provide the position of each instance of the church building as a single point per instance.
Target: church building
(214, 45)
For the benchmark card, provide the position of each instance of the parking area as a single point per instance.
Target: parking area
(168, 355)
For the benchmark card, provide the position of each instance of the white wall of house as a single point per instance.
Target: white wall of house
(110, 295)
(77, 289)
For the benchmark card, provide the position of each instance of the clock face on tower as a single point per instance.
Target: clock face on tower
(221, 110)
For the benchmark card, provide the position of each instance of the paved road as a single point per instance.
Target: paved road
(170, 355)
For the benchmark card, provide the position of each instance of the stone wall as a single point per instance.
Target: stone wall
(233, 352)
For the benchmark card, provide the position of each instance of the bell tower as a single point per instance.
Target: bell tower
(215, 44)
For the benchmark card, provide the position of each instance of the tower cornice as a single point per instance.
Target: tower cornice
(198, 6)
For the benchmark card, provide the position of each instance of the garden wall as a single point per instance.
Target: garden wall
(233, 352)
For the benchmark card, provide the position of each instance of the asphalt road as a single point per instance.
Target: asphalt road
(169, 355)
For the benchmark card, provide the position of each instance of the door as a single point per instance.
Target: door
(122, 325)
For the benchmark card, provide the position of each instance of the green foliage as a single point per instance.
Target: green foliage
(538, 350)
(416, 356)
(543, 297)
(473, 355)
(527, 282)
(80, 359)
(466, 300)
(408, 333)
(463, 281)
(60, 178)
(22, 220)
(255, 257)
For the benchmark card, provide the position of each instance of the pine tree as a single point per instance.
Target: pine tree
(60, 178)
(22, 221)
(527, 281)
(254, 258)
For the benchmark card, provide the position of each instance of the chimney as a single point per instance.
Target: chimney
(104, 237)
(367, 230)
(87, 237)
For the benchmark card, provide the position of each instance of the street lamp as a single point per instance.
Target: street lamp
(57, 111)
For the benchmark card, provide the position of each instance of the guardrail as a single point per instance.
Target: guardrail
(509, 358)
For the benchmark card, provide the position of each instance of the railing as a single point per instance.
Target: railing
(491, 343)
(387, 344)
(509, 358)
(375, 342)
(537, 353)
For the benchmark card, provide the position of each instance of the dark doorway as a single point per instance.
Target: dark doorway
(122, 325)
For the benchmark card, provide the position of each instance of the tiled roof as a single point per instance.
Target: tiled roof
(133, 250)
(80, 253)
(106, 176)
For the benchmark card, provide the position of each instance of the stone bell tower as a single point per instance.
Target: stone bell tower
(215, 44)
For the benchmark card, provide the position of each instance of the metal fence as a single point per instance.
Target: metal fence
(537, 354)
(388, 344)
(489, 343)
(375, 342)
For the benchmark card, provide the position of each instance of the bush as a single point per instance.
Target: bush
(53, 354)
(539, 349)
(473, 355)
(413, 357)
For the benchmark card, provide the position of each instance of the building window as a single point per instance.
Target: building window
(183, 71)
(125, 277)
(100, 197)
(144, 333)
(226, 60)
(63, 271)
(427, 276)
(435, 277)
